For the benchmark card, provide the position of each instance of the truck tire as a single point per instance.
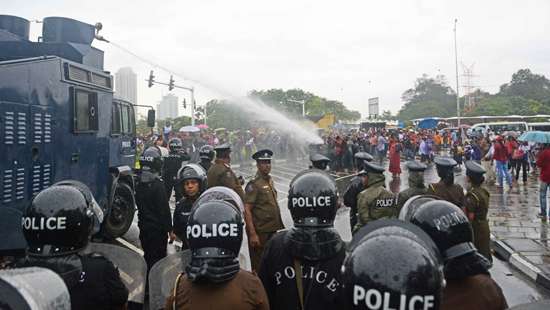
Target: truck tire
(121, 213)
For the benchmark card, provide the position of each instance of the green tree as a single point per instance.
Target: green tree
(284, 101)
(528, 85)
(221, 113)
(428, 97)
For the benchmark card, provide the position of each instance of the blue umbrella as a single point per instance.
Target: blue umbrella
(536, 136)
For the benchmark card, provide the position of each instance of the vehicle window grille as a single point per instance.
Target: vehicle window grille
(21, 128)
(20, 184)
(9, 128)
(7, 185)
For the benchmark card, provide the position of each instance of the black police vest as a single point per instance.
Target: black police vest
(321, 280)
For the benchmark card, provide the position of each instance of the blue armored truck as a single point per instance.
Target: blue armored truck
(59, 119)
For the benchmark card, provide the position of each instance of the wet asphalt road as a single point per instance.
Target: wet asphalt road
(517, 288)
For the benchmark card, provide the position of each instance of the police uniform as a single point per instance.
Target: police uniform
(375, 202)
(220, 174)
(87, 294)
(321, 279)
(477, 202)
(154, 218)
(416, 183)
(453, 193)
(172, 164)
(355, 187)
(261, 194)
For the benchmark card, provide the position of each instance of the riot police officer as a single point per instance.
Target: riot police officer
(300, 267)
(154, 218)
(446, 189)
(213, 278)
(416, 182)
(319, 161)
(355, 186)
(392, 266)
(476, 205)
(172, 164)
(192, 182)
(58, 225)
(375, 202)
(206, 155)
(469, 284)
(220, 174)
(262, 214)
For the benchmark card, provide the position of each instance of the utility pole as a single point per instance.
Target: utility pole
(303, 102)
(171, 85)
(457, 92)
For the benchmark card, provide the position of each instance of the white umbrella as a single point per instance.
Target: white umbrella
(189, 129)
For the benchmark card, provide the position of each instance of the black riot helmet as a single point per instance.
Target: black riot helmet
(412, 204)
(206, 152)
(175, 145)
(60, 220)
(393, 271)
(313, 199)
(214, 234)
(193, 171)
(215, 230)
(448, 227)
(151, 159)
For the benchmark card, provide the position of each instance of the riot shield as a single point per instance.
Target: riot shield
(229, 195)
(33, 288)
(537, 305)
(131, 267)
(162, 277)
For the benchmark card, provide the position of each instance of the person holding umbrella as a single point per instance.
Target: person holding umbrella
(543, 162)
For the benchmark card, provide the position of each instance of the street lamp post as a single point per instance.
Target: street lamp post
(456, 71)
(303, 103)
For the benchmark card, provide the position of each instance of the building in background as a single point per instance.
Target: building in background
(126, 85)
(168, 107)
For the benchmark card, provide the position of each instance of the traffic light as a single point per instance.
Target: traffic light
(184, 106)
(151, 78)
(171, 83)
(194, 104)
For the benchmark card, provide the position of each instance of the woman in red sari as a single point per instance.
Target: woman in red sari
(395, 156)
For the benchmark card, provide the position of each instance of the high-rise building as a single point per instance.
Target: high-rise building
(126, 85)
(168, 107)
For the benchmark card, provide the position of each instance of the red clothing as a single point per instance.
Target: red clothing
(511, 145)
(543, 161)
(395, 158)
(500, 153)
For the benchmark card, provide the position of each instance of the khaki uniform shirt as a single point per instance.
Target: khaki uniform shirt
(477, 202)
(220, 174)
(261, 193)
(375, 203)
(452, 193)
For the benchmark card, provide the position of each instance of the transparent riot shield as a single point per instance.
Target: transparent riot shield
(131, 267)
(162, 277)
(33, 288)
(537, 305)
(229, 195)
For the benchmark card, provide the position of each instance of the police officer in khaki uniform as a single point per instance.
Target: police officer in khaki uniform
(262, 214)
(375, 202)
(416, 182)
(476, 206)
(446, 189)
(220, 174)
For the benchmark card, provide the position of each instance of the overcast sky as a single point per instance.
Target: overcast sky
(330, 48)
